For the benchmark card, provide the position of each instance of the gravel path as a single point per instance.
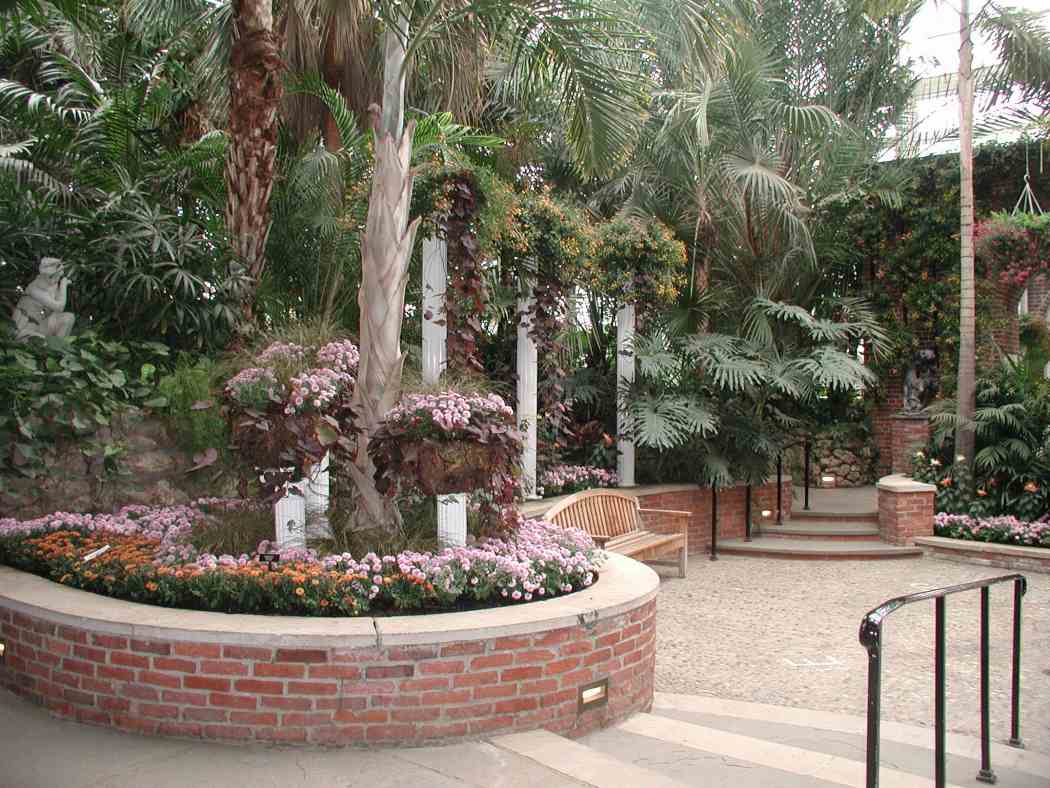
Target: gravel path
(785, 632)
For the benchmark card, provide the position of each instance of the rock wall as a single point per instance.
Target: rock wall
(148, 470)
(852, 460)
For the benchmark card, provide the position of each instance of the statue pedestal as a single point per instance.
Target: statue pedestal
(909, 432)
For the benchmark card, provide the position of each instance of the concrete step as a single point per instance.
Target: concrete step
(900, 743)
(813, 767)
(816, 549)
(827, 515)
(580, 762)
(846, 530)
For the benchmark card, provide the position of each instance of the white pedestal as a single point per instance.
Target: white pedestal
(452, 520)
(527, 406)
(624, 376)
(289, 514)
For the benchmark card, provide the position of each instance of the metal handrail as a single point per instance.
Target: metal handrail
(871, 639)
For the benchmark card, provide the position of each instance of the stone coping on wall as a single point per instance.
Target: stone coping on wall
(538, 507)
(900, 483)
(1008, 556)
(623, 584)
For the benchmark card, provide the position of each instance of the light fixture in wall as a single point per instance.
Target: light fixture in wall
(827, 481)
(3, 651)
(767, 513)
(594, 695)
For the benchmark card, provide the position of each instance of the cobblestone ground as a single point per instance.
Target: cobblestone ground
(785, 632)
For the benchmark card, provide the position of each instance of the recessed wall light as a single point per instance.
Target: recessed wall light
(594, 695)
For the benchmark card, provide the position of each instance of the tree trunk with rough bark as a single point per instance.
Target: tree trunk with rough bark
(255, 97)
(386, 250)
(965, 395)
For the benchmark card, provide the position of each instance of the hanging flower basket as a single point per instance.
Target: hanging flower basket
(291, 411)
(446, 468)
(447, 443)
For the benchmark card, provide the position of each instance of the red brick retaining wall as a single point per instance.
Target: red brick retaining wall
(215, 686)
(697, 502)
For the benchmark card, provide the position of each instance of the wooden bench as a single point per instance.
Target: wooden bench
(614, 520)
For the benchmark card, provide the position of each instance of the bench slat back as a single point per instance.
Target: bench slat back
(603, 513)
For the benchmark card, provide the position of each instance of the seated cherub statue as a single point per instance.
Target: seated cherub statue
(40, 311)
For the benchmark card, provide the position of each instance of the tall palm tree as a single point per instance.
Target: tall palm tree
(577, 50)
(967, 383)
(255, 98)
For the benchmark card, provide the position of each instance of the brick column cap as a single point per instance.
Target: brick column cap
(900, 483)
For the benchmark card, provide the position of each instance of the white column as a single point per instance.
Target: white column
(451, 509)
(452, 520)
(527, 379)
(624, 375)
(435, 334)
(289, 514)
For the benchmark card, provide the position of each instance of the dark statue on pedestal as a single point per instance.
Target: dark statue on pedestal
(920, 382)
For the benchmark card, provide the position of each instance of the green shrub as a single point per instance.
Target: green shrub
(192, 409)
(60, 389)
(1011, 466)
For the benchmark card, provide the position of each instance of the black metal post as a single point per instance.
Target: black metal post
(714, 523)
(985, 775)
(780, 491)
(938, 695)
(871, 637)
(806, 454)
(747, 513)
(1015, 680)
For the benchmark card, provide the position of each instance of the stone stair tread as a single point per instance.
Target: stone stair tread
(844, 528)
(798, 513)
(777, 546)
(811, 764)
(784, 722)
(581, 762)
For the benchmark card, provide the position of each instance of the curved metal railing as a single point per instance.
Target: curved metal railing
(871, 639)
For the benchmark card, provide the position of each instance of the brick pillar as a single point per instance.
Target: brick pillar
(905, 509)
(882, 422)
(909, 433)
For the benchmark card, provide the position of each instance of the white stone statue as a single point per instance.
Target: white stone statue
(39, 313)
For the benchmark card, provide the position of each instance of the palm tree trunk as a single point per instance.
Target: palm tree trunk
(255, 96)
(331, 70)
(964, 435)
(386, 249)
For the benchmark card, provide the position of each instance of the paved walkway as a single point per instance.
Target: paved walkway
(846, 500)
(785, 633)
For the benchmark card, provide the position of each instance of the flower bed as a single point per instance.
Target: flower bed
(564, 479)
(147, 558)
(996, 530)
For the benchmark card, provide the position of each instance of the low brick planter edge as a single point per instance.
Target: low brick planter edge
(1007, 556)
(403, 680)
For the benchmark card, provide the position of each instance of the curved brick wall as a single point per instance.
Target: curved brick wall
(410, 679)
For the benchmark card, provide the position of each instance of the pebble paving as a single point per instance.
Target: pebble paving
(785, 632)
